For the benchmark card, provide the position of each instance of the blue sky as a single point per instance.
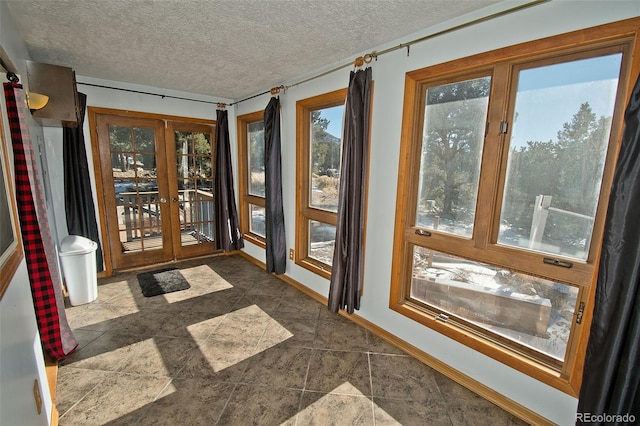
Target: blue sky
(549, 96)
(334, 115)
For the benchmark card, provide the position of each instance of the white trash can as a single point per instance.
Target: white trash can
(78, 257)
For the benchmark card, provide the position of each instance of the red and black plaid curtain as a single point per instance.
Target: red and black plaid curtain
(44, 274)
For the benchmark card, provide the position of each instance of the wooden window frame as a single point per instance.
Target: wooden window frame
(503, 65)
(304, 212)
(247, 199)
(13, 253)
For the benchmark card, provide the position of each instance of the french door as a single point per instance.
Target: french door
(157, 179)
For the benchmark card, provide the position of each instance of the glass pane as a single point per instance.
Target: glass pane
(531, 311)
(205, 186)
(202, 144)
(326, 151)
(255, 148)
(136, 188)
(194, 172)
(257, 218)
(556, 157)
(120, 139)
(145, 164)
(183, 143)
(453, 134)
(139, 217)
(124, 188)
(197, 219)
(186, 212)
(322, 237)
(184, 165)
(203, 166)
(144, 139)
(148, 186)
(186, 184)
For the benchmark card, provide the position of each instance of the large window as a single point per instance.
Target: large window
(251, 172)
(506, 163)
(319, 134)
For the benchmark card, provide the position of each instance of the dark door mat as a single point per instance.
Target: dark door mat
(162, 281)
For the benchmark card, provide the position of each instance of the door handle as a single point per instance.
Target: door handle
(163, 200)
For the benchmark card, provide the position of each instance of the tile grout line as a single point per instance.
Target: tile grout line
(82, 398)
(226, 403)
(373, 405)
(306, 375)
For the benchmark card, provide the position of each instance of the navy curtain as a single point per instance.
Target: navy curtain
(227, 230)
(611, 376)
(78, 198)
(348, 256)
(276, 250)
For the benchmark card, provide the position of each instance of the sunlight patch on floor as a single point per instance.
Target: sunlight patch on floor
(202, 279)
(345, 404)
(243, 333)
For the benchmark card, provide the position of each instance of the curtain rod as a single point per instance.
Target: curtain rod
(375, 54)
(406, 45)
(149, 93)
(219, 104)
(6, 63)
(367, 58)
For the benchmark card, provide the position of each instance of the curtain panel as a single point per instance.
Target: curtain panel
(348, 255)
(611, 377)
(78, 198)
(42, 265)
(276, 250)
(227, 235)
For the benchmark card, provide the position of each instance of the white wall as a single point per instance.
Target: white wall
(388, 74)
(21, 357)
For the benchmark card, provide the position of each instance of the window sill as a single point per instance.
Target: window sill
(315, 266)
(519, 362)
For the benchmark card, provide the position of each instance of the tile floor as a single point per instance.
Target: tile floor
(241, 347)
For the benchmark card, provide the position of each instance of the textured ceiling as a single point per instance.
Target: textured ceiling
(225, 48)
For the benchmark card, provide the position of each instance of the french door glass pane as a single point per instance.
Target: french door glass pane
(133, 163)
(120, 138)
(326, 151)
(256, 225)
(531, 311)
(557, 150)
(144, 140)
(194, 169)
(255, 148)
(322, 238)
(453, 135)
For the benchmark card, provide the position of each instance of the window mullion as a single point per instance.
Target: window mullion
(492, 173)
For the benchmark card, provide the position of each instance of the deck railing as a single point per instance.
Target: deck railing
(141, 213)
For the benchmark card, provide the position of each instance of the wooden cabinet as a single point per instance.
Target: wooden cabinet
(59, 83)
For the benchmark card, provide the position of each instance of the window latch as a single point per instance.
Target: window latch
(504, 126)
(442, 317)
(556, 262)
(580, 313)
(423, 232)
